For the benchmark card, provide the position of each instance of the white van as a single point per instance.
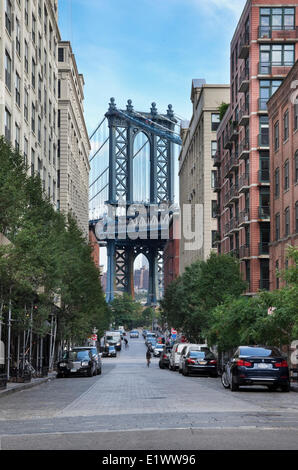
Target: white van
(175, 355)
(190, 347)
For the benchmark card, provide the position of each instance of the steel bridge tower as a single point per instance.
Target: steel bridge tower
(123, 208)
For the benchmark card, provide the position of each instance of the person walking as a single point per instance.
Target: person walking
(148, 357)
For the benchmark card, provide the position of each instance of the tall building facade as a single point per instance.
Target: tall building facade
(283, 124)
(73, 144)
(196, 172)
(263, 50)
(29, 37)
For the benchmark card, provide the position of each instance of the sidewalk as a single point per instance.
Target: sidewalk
(13, 387)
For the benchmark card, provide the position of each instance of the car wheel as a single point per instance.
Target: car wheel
(214, 376)
(185, 372)
(89, 372)
(234, 386)
(286, 387)
(180, 370)
(224, 380)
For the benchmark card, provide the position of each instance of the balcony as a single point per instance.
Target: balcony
(244, 251)
(227, 141)
(264, 284)
(244, 217)
(263, 141)
(263, 176)
(244, 115)
(244, 149)
(280, 69)
(232, 163)
(243, 84)
(244, 46)
(217, 186)
(263, 249)
(234, 252)
(233, 131)
(267, 33)
(244, 183)
(264, 212)
(233, 194)
(262, 106)
(234, 224)
(217, 159)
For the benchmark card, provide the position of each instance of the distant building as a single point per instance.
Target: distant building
(73, 145)
(196, 172)
(283, 124)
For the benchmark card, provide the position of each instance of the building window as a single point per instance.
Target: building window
(17, 137)
(60, 54)
(18, 37)
(39, 130)
(276, 19)
(296, 217)
(276, 182)
(276, 55)
(295, 117)
(286, 175)
(213, 148)
(213, 178)
(267, 88)
(277, 274)
(7, 70)
(277, 226)
(286, 125)
(296, 167)
(214, 121)
(287, 222)
(276, 136)
(26, 147)
(8, 15)
(7, 125)
(18, 90)
(26, 56)
(33, 73)
(27, 12)
(214, 209)
(33, 29)
(33, 118)
(214, 238)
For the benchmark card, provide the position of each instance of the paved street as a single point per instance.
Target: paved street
(132, 407)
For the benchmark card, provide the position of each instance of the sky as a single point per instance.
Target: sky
(148, 50)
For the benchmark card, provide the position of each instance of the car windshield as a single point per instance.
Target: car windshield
(201, 354)
(110, 338)
(260, 352)
(159, 346)
(78, 355)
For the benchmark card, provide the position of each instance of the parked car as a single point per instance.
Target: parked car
(199, 362)
(175, 355)
(164, 360)
(187, 348)
(97, 355)
(144, 333)
(157, 350)
(112, 351)
(149, 338)
(79, 360)
(134, 334)
(256, 365)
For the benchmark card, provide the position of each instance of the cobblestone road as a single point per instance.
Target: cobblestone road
(130, 396)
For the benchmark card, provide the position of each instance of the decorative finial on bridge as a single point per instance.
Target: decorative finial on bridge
(129, 106)
(170, 112)
(154, 109)
(112, 104)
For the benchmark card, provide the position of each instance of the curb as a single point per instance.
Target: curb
(14, 387)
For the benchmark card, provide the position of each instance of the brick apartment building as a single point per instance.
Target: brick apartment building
(263, 50)
(171, 253)
(283, 124)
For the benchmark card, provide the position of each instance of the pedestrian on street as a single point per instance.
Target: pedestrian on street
(148, 357)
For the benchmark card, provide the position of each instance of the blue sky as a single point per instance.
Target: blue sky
(148, 50)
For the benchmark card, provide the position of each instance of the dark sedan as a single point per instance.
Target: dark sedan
(257, 365)
(164, 360)
(200, 362)
(77, 361)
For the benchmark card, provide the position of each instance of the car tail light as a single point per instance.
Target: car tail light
(191, 361)
(165, 356)
(281, 364)
(213, 361)
(240, 362)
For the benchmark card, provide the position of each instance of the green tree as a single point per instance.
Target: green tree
(126, 311)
